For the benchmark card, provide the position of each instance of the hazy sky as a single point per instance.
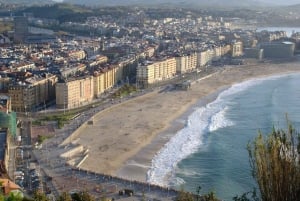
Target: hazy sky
(285, 2)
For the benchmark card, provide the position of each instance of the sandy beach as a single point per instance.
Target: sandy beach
(125, 137)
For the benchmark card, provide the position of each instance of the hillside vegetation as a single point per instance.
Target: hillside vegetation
(61, 12)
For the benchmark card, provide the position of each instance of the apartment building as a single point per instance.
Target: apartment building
(5, 103)
(236, 48)
(33, 92)
(74, 92)
(186, 63)
(202, 58)
(205, 57)
(149, 51)
(96, 60)
(225, 49)
(23, 66)
(22, 97)
(21, 29)
(76, 55)
(104, 79)
(155, 71)
(4, 83)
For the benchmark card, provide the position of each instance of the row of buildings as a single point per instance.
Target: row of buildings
(152, 71)
(82, 82)
(79, 85)
(72, 71)
(29, 91)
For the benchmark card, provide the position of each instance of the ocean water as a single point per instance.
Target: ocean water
(289, 30)
(210, 151)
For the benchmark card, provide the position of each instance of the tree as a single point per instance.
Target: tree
(82, 196)
(15, 197)
(65, 197)
(187, 196)
(39, 196)
(210, 197)
(275, 164)
(184, 196)
(249, 196)
(2, 198)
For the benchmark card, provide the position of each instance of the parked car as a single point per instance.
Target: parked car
(19, 173)
(19, 177)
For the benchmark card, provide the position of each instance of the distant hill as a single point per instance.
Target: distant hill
(280, 2)
(177, 3)
(27, 2)
(183, 3)
(61, 12)
(210, 3)
(295, 7)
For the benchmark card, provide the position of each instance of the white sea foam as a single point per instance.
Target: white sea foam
(188, 140)
(179, 147)
(220, 121)
(188, 172)
(176, 181)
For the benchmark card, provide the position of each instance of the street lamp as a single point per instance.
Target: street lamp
(25, 109)
(64, 103)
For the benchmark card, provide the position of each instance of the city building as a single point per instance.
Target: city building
(254, 53)
(33, 93)
(278, 50)
(4, 82)
(186, 63)
(202, 58)
(236, 49)
(5, 104)
(97, 60)
(74, 92)
(21, 29)
(104, 79)
(155, 71)
(76, 55)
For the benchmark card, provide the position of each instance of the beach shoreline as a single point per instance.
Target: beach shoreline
(124, 139)
(137, 166)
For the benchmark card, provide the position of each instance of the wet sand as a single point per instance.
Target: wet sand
(124, 138)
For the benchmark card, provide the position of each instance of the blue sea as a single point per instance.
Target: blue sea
(210, 151)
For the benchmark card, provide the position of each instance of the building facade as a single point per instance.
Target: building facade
(103, 80)
(74, 93)
(186, 63)
(33, 93)
(278, 49)
(236, 49)
(156, 71)
(21, 29)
